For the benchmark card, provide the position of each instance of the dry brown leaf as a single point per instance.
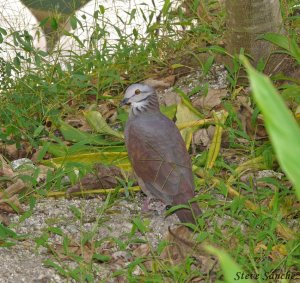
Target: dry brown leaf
(168, 98)
(6, 171)
(211, 100)
(161, 83)
(86, 251)
(43, 173)
(4, 219)
(260, 247)
(108, 110)
(13, 189)
(142, 250)
(203, 137)
(104, 178)
(181, 245)
(245, 112)
(9, 150)
(11, 205)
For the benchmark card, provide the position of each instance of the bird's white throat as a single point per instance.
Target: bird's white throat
(139, 104)
(138, 107)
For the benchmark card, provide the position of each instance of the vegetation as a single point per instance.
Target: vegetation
(62, 112)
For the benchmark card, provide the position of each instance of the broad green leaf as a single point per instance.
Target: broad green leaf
(186, 101)
(56, 149)
(169, 111)
(75, 135)
(280, 124)
(119, 159)
(231, 270)
(277, 39)
(59, 150)
(186, 112)
(287, 43)
(98, 123)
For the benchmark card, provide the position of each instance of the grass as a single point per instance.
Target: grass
(253, 218)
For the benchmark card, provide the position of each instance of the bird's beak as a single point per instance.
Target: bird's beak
(125, 101)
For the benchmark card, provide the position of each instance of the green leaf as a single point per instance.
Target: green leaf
(98, 123)
(54, 24)
(44, 21)
(169, 111)
(132, 15)
(3, 31)
(74, 135)
(287, 43)
(76, 212)
(207, 65)
(73, 22)
(186, 112)
(140, 225)
(166, 7)
(175, 66)
(277, 39)
(101, 258)
(232, 271)
(119, 159)
(57, 267)
(38, 130)
(55, 230)
(282, 127)
(102, 9)
(6, 232)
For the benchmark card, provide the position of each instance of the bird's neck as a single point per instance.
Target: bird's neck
(145, 106)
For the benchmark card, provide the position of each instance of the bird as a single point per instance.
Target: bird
(158, 153)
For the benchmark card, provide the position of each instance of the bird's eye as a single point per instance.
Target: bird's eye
(137, 91)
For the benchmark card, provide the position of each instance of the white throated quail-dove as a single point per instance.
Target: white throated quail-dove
(157, 152)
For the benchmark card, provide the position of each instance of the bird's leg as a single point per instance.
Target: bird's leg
(146, 202)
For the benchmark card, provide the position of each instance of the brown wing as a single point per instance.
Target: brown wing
(159, 158)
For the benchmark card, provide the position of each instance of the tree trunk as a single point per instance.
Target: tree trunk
(60, 10)
(246, 21)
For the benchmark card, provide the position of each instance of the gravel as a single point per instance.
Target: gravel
(24, 262)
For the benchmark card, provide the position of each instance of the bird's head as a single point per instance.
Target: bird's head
(137, 95)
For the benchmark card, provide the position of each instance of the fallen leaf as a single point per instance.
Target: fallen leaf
(181, 245)
(11, 205)
(98, 123)
(9, 150)
(260, 247)
(203, 137)
(161, 83)
(211, 100)
(142, 250)
(168, 98)
(184, 114)
(245, 113)
(4, 219)
(104, 177)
